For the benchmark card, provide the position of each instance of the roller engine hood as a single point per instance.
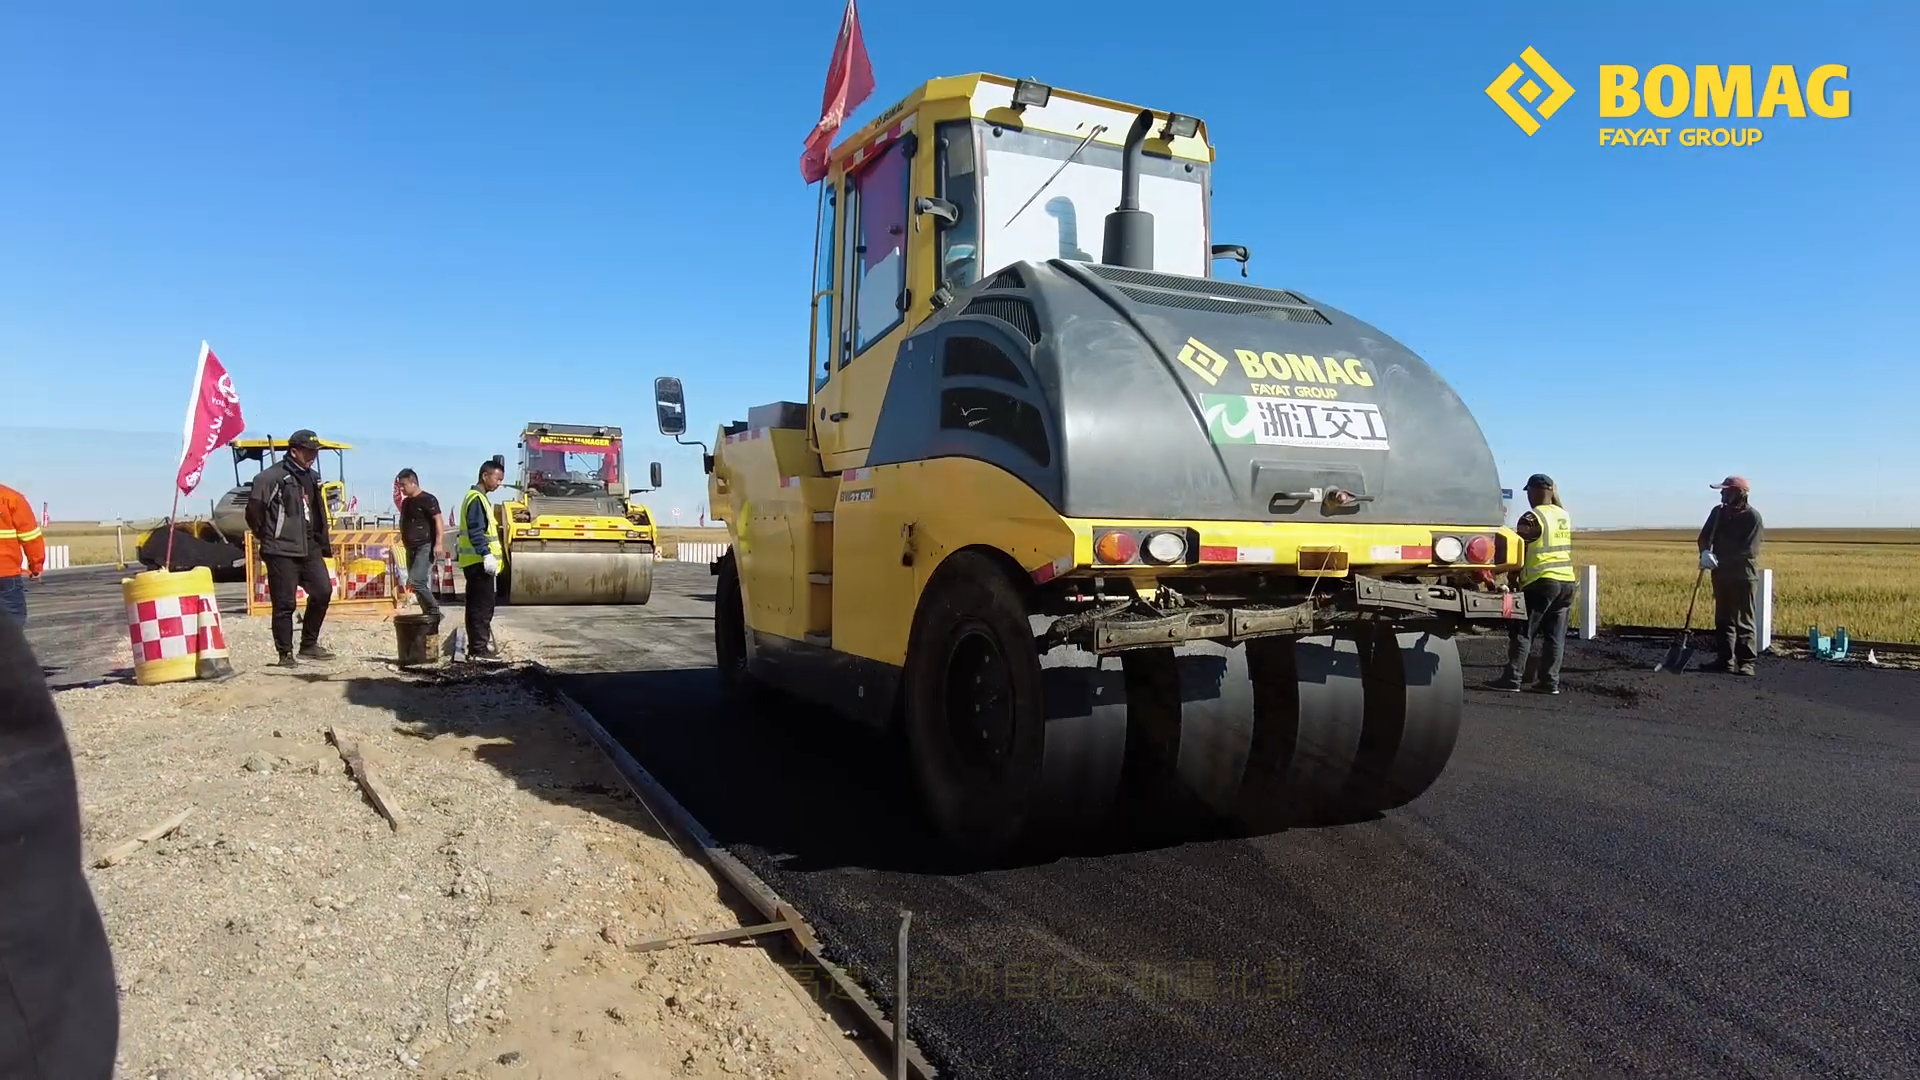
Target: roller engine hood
(1123, 393)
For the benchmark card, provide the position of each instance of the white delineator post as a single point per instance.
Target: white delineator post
(1586, 604)
(1763, 634)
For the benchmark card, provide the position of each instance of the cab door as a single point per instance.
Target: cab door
(874, 243)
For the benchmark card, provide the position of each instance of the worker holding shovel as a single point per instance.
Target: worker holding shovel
(1730, 552)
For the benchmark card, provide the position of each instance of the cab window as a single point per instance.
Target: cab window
(880, 252)
(959, 245)
(824, 338)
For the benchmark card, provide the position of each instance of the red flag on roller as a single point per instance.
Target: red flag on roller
(213, 419)
(849, 82)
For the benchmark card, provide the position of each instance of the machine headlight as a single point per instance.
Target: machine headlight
(1166, 547)
(1446, 549)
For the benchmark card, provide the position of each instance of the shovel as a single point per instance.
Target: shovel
(1680, 653)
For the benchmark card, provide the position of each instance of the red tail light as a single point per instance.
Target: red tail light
(1116, 548)
(1480, 549)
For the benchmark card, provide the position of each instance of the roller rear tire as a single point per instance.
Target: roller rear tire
(1415, 698)
(730, 638)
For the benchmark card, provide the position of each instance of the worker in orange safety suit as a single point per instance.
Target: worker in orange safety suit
(23, 552)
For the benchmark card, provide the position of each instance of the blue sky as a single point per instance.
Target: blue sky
(419, 229)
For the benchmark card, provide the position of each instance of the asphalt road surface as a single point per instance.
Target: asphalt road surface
(1651, 875)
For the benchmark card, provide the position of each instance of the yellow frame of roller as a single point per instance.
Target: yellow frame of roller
(566, 551)
(891, 556)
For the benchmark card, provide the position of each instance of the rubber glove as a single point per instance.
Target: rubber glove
(1707, 561)
(492, 564)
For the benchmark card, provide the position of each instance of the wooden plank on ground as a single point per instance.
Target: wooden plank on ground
(349, 747)
(122, 852)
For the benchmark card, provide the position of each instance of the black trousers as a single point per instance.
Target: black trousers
(1549, 605)
(1736, 592)
(285, 573)
(479, 601)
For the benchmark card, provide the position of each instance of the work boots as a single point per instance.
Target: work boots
(315, 651)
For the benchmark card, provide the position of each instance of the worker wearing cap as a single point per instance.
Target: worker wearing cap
(1547, 580)
(1730, 552)
(23, 552)
(289, 525)
(478, 551)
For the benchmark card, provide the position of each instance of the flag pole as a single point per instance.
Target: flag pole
(186, 440)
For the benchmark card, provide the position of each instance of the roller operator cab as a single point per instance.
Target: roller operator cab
(1069, 509)
(572, 533)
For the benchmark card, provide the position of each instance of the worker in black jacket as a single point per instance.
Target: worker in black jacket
(289, 524)
(1730, 551)
(59, 1012)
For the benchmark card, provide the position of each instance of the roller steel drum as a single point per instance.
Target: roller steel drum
(578, 572)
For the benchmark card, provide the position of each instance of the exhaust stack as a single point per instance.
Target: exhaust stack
(1129, 230)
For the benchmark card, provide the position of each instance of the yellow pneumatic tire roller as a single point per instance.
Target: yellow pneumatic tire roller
(577, 572)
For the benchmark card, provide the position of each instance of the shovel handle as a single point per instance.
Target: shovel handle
(1687, 626)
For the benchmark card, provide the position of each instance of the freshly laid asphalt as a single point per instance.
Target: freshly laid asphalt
(1650, 875)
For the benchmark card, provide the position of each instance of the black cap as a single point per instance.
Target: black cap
(1539, 480)
(304, 439)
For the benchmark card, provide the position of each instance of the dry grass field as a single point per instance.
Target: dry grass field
(1867, 580)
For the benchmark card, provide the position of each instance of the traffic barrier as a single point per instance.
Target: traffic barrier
(445, 574)
(700, 553)
(367, 588)
(59, 556)
(173, 627)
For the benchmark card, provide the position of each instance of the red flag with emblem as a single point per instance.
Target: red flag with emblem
(849, 82)
(213, 419)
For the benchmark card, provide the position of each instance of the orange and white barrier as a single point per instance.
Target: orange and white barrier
(176, 637)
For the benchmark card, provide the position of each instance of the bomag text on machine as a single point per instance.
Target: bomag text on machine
(1097, 528)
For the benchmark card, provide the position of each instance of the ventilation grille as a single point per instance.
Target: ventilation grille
(1016, 313)
(576, 506)
(1197, 302)
(1007, 279)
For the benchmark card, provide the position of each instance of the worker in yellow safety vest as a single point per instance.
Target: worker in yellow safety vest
(1547, 580)
(477, 549)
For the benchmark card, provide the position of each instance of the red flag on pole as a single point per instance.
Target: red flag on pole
(849, 82)
(213, 419)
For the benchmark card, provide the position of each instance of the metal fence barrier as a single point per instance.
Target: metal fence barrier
(703, 552)
(361, 572)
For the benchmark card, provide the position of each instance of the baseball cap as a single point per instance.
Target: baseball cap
(304, 439)
(1539, 480)
(1738, 483)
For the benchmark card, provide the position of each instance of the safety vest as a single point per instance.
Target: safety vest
(1550, 558)
(463, 543)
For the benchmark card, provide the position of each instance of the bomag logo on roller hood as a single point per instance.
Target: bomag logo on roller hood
(1280, 375)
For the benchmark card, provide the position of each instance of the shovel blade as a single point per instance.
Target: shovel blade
(1677, 658)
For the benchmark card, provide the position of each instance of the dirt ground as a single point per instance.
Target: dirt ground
(284, 930)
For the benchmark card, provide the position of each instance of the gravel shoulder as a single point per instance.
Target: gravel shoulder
(284, 930)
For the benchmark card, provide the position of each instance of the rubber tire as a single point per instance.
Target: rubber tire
(982, 815)
(1416, 696)
(730, 636)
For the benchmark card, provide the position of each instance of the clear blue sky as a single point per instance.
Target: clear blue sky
(421, 228)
